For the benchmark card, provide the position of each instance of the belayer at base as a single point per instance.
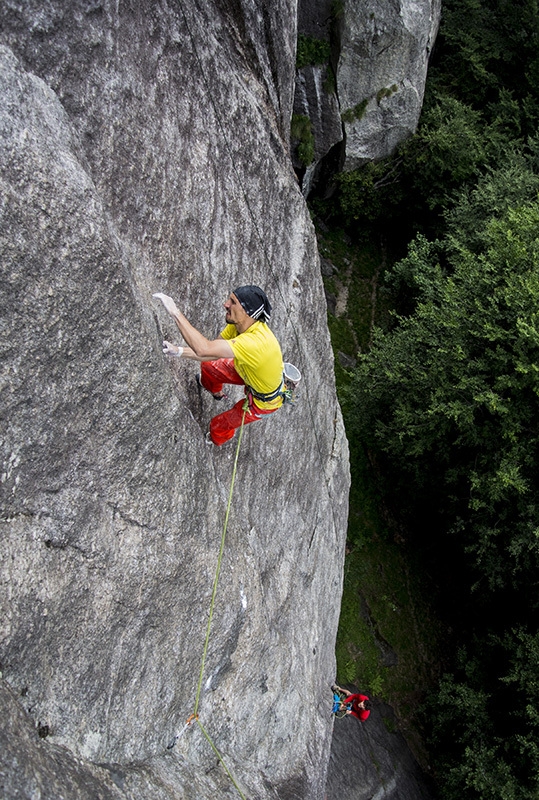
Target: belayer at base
(345, 702)
(246, 353)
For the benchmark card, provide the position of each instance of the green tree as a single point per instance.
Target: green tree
(451, 395)
(367, 195)
(510, 184)
(450, 149)
(447, 403)
(312, 51)
(412, 189)
(487, 56)
(485, 728)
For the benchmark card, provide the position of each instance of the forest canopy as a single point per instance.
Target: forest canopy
(446, 400)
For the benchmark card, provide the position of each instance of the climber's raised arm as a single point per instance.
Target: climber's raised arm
(200, 348)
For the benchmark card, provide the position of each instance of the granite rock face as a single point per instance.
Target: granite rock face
(381, 73)
(144, 148)
(379, 62)
(316, 98)
(313, 100)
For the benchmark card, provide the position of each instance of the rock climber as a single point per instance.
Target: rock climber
(246, 353)
(355, 704)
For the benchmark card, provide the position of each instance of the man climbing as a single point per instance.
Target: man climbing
(354, 704)
(246, 353)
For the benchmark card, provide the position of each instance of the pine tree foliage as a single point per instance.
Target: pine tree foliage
(446, 400)
(449, 399)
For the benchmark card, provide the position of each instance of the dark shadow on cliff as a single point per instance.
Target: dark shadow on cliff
(368, 755)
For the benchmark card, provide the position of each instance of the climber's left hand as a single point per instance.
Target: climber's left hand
(168, 302)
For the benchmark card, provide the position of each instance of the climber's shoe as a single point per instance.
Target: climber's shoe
(210, 442)
(218, 396)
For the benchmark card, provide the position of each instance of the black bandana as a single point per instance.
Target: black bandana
(254, 302)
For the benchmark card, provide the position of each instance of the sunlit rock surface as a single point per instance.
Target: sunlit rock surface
(143, 148)
(367, 99)
(381, 73)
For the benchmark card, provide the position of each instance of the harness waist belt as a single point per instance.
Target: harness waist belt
(267, 398)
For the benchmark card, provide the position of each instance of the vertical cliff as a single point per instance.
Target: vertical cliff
(143, 148)
(381, 72)
(378, 63)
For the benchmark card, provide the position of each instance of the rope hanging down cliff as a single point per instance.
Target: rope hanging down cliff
(194, 717)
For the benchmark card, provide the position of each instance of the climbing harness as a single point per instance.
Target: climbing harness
(266, 398)
(286, 390)
(194, 717)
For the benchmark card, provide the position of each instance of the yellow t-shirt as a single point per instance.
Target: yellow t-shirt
(258, 360)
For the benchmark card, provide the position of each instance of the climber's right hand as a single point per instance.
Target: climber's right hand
(170, 349)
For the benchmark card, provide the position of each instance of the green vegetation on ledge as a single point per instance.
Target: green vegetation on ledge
(301, 132)
(311, 51)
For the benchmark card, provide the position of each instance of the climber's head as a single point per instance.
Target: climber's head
(254, 302)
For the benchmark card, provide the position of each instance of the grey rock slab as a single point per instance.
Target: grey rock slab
(312, 99)
(144, 148)
(383, 60)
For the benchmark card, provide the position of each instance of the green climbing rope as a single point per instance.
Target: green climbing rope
(194, 715)
(218, 570)
(220, 757)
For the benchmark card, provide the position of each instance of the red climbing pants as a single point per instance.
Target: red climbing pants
(213, 374)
